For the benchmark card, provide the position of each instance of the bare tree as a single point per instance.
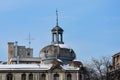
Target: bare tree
(97, 68)
(106, 63)
(91, 73)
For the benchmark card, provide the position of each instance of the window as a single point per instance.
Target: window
(56, 76)
(118, 77)
(117, 58)
(80, 77)
(31, 76)
(28, 54)
(9, 76)
(23, 77)
(43, 77)
(69, 77)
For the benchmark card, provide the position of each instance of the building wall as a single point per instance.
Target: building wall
(116, 59)
(114, 69)
(10, 51)
(24, 52)
(20, 52)
(37, 76)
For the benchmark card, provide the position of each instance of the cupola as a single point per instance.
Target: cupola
(57, 33)
(57, 50)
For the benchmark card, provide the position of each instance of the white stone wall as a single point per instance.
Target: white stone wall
(37, 76)
(17, 76)
(0, 76)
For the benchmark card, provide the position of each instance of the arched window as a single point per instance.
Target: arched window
(9, 76)
(43, 76)
(31, 76)
(69, 77)
(56, 76)
(23, 77)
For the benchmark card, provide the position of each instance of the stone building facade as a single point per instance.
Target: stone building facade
(114, 69)
(20, 54)
(57, 61)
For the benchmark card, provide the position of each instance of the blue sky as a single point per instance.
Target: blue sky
(91, 27)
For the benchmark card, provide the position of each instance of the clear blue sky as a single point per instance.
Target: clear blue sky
(91, 27)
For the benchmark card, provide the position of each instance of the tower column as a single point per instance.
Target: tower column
(11, 52)
(61, 38)
(53, 37)
(57, 38)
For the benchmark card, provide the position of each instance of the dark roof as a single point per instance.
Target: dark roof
(116, 54)
(57, 28)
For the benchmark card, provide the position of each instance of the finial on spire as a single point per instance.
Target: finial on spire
(56, 18)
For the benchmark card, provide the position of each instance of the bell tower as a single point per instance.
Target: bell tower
(10, 51)
(57, 33)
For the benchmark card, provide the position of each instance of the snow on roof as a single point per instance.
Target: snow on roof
(62, 46)
(59, 60)
(24, 66)
(33, 67)
(18, 66)
(46, 65)
(67, 67)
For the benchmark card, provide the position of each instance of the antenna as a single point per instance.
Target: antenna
(29, 40)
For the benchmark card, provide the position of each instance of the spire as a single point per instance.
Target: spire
(57, 33)
(56, 18)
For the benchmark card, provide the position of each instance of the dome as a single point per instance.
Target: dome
(57, 51)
